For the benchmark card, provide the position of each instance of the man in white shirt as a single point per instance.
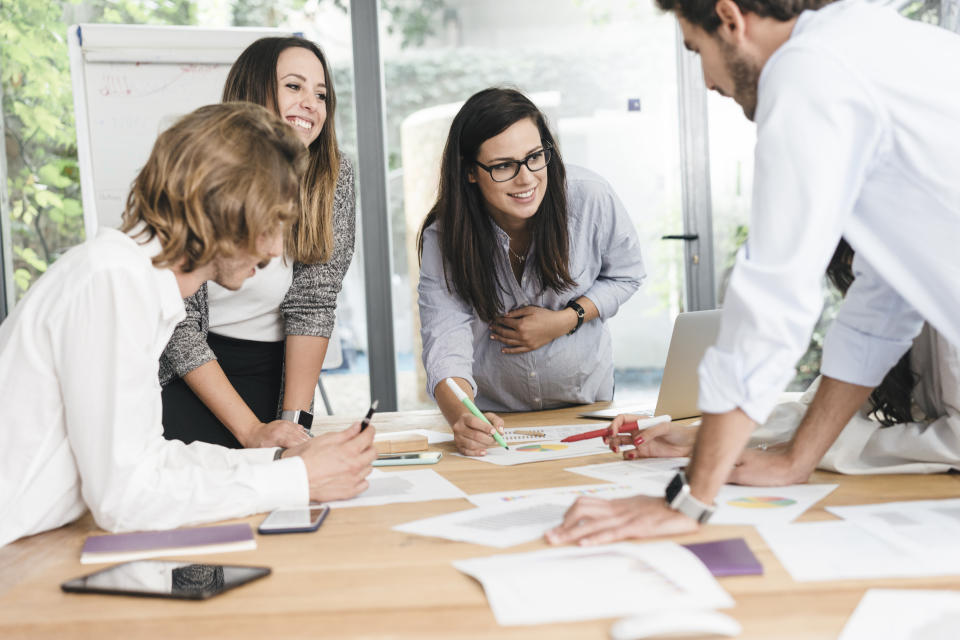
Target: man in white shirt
(857, 137)
(80, 419)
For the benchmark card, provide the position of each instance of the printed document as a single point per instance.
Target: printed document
(403, 486)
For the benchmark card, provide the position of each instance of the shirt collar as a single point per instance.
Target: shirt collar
(171, 302)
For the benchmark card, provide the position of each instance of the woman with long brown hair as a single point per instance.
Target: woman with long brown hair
(522, 261)
(238, 353)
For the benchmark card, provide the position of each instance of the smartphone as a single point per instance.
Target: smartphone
(366, 419)
(401, 459)
(294, 520)
(165, 579)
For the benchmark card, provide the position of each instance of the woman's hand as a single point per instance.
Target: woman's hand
(472, 435)
(279, 433)
(529, 328)
(774, 466)
(664, 440)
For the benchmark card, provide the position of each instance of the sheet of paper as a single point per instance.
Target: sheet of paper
(433, 437)
(840, 550)
(567, 494)
(735, 504)
(540, 451)
(922, 526)
(583, 583)
(403, 486)
(500, 525)
(905, 614)
(553, 432)
(656, 471)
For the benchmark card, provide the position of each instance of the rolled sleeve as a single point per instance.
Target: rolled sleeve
(187, 348)
(808, 179)
(621, 269)
(445, 322)
(874, 328)
(309, 308)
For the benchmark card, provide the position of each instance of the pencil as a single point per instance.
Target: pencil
(626, 426)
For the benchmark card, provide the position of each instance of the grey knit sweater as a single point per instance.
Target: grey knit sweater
(307, 309)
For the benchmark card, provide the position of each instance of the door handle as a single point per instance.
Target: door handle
(683, 236)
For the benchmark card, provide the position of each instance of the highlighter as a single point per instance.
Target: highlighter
(468, 403)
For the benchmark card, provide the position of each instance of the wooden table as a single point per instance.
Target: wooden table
(356, 578)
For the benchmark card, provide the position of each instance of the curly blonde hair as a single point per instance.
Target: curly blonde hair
(216, 181)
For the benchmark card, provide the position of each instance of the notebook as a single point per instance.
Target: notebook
(727, 557)
(693, 333)
(121, 547)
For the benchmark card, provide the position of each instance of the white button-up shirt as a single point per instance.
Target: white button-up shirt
(80, 419)
(857, 135)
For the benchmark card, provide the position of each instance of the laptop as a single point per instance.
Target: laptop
(693, 333)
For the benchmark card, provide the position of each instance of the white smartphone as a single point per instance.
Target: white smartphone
(294, 520)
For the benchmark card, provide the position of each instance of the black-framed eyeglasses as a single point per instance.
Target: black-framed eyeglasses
(503, 171)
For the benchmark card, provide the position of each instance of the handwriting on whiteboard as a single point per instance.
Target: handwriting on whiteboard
(120, 85)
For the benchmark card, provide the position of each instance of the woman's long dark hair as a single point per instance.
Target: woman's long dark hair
(253, 78)
(892, 400)
(466, 230)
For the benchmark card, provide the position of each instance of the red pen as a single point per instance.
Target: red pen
(624, 428)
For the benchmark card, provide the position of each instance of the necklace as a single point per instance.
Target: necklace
(521, 259)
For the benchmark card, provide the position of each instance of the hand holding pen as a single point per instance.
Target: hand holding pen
(473, 432)
(651, 437)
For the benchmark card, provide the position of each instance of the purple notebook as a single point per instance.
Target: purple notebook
(148, 544)
(727, 557)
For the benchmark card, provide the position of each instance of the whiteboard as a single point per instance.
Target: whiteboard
(130, 82)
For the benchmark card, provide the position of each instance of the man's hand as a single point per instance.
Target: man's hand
(775, 467)
(529, 328)
(597, 521)
(279, 433)
(665, 440)
(338, 463)
(472, 435)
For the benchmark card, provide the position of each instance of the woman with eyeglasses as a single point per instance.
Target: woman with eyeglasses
(522, 261)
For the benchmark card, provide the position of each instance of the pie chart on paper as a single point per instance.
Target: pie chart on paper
(761, 502)
(536, 448)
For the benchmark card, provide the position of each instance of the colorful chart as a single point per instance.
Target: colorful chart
(761, 502)
(541, 447)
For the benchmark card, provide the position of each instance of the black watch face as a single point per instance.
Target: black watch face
(674, 487)
(305, 419)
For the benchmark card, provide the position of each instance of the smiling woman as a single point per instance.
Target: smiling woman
(239, 352)
(522, 264)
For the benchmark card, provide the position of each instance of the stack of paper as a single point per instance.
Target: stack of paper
(583, 583)
(901, 614)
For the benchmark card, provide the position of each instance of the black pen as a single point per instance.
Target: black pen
(366, 419)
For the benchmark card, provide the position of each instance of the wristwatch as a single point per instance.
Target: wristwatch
(679, 499)
(302, 418)
(576, 307)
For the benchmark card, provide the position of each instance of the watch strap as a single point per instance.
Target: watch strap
(580, 313)
(303, 418)
(679, 498)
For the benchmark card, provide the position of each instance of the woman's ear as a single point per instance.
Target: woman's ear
(472, 174)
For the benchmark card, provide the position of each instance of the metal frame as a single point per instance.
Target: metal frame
(695, 181)
(6, 251)
(374, 218)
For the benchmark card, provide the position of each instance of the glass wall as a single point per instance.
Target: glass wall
(604, 73)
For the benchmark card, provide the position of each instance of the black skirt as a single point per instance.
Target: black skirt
(255, 369)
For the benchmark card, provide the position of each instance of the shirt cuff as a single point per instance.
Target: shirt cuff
(439, 376)
(282, 483)
(859, 358)
(724, 386)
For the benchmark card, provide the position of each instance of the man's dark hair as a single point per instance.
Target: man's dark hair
(703, 13)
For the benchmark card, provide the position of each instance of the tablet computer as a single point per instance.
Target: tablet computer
(165, 579)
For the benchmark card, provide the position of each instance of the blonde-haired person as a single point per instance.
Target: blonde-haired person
(238, 353)
(80, 421)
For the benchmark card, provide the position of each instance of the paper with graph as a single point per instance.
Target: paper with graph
(522, 453)
(583, 583)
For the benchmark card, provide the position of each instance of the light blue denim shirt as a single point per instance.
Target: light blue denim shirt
(574, 369)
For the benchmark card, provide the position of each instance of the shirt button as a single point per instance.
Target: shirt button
(533, 374)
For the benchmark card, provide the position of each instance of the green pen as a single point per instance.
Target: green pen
(468, 403)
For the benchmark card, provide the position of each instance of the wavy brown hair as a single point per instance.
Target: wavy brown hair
(703, 13)
(466, 229)
(215, 182)
(253, 78)
(892, 400)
